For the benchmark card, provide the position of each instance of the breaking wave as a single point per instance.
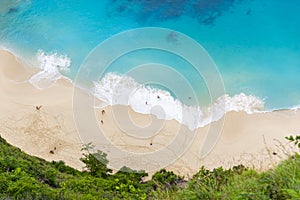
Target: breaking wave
(116, 89)
(51, 67)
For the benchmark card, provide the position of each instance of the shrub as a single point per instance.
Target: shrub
(295, 139)
(95, 163)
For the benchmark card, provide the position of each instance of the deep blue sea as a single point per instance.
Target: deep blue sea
(254, 43)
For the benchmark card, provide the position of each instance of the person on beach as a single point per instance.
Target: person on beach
(38, 107)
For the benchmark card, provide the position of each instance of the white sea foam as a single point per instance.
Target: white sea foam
(123, 90)
(295, 108)
(51, 67)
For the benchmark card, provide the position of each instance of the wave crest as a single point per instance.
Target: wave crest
(116, 89)
(52, 65)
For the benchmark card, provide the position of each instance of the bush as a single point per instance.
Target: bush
(95, 163)
(62, 167)
(294, 139)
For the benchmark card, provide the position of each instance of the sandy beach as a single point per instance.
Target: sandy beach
(255, 140)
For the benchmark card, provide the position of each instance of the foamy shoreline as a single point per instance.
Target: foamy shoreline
(113, 89)
(245, 139)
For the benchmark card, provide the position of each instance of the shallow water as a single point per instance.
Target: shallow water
(255, 44)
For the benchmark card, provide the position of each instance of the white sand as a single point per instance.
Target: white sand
(245, 139)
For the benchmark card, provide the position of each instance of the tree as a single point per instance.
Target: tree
(96, 163)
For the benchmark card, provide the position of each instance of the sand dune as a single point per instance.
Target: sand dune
(252, 140)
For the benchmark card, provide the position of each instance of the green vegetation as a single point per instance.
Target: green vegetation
(294, 139)
(27, 177)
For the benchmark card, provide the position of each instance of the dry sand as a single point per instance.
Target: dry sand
(246, 139)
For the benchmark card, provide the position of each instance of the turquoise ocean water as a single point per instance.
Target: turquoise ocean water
(254, 43)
